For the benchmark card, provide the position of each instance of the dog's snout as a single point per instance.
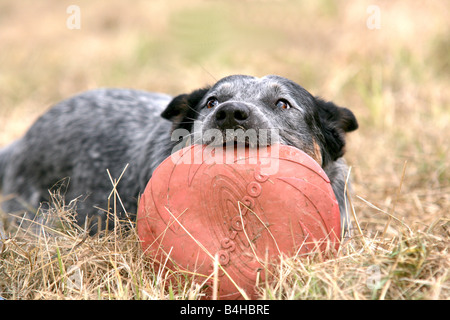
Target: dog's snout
(230, 115)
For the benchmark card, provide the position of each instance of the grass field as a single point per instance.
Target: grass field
(391, 69)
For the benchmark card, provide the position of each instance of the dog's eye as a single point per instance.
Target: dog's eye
(283, 104)
(211, 103)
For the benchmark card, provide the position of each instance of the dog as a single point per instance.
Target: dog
(83, 141)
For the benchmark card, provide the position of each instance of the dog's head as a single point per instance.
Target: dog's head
(262, 111)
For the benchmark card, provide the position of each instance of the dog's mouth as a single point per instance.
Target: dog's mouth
(240, 138)
(238, 143)
(255, 141)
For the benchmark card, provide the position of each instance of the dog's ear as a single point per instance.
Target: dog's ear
(340, 117)
(334, 122)
(182, 109)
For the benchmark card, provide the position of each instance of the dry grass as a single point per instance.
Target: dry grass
(56, 259)
(395, 79)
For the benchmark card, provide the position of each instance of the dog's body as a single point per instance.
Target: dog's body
(72, 145)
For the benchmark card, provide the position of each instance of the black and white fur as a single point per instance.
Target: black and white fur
(74, 143)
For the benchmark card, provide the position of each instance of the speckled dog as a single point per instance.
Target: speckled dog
(72, 145)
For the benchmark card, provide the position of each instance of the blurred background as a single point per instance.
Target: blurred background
(388, 61)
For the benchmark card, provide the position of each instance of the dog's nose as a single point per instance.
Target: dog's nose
(230, 115)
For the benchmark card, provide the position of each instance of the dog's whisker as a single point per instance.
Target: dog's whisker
(198, 113)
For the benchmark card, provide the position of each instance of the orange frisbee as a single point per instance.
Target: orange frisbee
(246, 207)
